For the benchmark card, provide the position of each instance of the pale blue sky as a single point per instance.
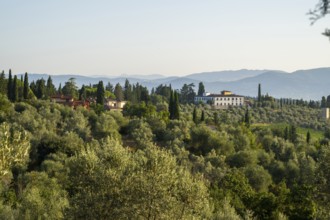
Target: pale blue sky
(169, 37)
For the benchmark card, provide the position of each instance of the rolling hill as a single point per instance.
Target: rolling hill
(305, 84)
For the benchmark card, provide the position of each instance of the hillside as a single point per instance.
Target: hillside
(305, 84)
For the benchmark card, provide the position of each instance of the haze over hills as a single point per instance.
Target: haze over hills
(306, 84)
(225, 76)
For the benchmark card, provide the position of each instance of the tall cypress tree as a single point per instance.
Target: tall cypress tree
(40, 88)
(127, 91)
(50, 88)
(195, 115)
(176, 106)
(308, 137)
(171, 105)
(3, 83)
(59, 90)
(10, 86)
(26, 86)
(201, 89)
(247, 117)
(293, 134)
(82, 93)
(119, 92)
(259, 93)
(15, 90)
(203, 116)
(100, 93)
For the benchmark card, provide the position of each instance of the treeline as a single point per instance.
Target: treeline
(269, 101)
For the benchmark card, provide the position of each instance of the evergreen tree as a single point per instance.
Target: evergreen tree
(308, 137)
(195, 115)
(176, 106)
(109, 87)
(119, 92)
(145, 95)
(82, 93)
(201, 89)
(259, 93)
(171, 105)
(50, 87)
(15, 90)
(203, 116)
(3, 83)
(187, 93)
(59, 90)
(247, 118)
(127, 91)
(328, 101)
(26, 86)
(293, 133)
(33, 87)
(10, 86)
(164, 91)
(70, 88)
(100, 93)
(40, 88)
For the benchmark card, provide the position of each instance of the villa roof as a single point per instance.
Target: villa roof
(220, 95)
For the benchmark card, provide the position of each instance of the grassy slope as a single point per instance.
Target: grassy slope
(315, 134)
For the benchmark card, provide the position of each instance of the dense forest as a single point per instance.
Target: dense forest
(161, 157)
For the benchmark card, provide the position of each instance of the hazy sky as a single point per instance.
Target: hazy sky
(169, 37)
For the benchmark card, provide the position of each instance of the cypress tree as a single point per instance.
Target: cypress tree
(308, 137)
(328, 101)
(119, 92)
(59, 90)
(203, 116)
(15, 90)
(201, 89)
(10, 86)
(127, 91)
(50, 87)
(247, 118)
(100, 93)
(82, 93)
(40, 88)
(171, 105)
(26, 86)
(3, 84)
(293, 134)
(176, 106)
(195, 115)
(259, 93)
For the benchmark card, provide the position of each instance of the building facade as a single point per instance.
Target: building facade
(224, 100)
(111, 104)
(325, 113)
(69, 101)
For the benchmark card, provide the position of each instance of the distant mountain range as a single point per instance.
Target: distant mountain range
(305, 84)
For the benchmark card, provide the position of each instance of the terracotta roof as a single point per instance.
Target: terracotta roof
(220, 95)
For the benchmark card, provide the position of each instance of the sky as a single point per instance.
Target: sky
(168, 37)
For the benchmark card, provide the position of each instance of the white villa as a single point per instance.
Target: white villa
(223, 100)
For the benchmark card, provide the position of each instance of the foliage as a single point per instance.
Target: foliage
(155, 160)
(14, 149)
